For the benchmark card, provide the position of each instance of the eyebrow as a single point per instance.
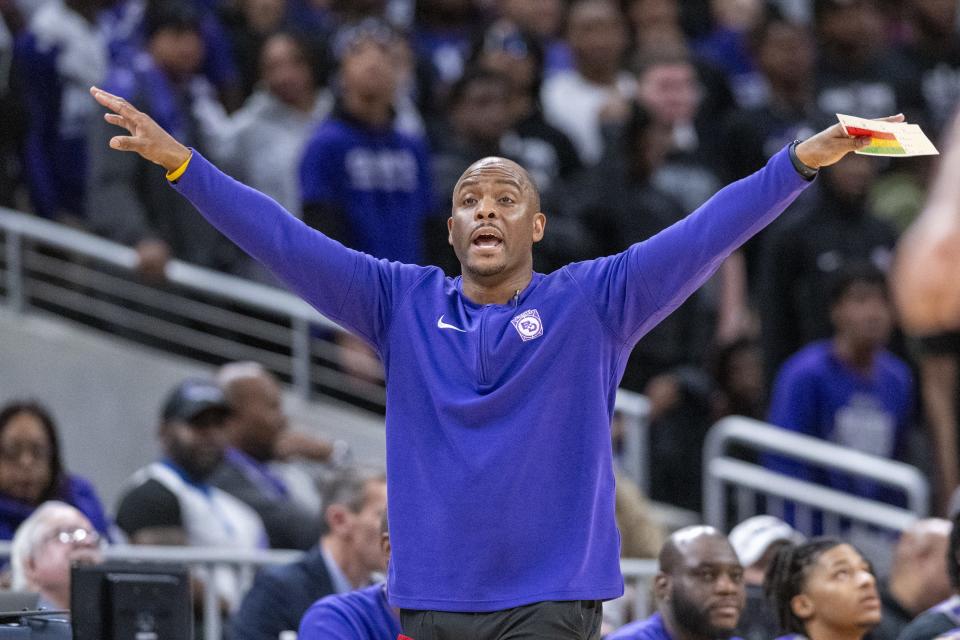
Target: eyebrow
(471, 182)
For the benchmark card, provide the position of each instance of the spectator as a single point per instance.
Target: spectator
(362, 181)
(726, 46)
(48, 543)
(738, 377)
(254, 22)
(784, 52)
(946, 615)
(126, 201)
(348, 553)
(801, 257)
(848, 390)
(442, 33)
(359, 615)
(699, 589)
(823, 590)
(543, 19)
(918, 578)
(856, 72)
(268, 134)
(285, 497)
(544, 150)
(171, 502)
(32, 472)
(61, 54)
(756, 541)
(934, 57)
(573, 100)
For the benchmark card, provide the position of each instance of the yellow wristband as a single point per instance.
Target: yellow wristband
(174, 175)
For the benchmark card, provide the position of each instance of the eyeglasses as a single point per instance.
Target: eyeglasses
(75, 536)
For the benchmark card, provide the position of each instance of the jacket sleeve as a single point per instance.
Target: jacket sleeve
(634, 290)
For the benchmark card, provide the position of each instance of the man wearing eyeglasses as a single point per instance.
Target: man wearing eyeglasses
(45, 546)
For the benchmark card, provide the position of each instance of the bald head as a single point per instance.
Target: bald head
(509, 170)
(919, 577)
(681, 547)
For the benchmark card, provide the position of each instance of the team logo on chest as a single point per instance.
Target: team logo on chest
(528, 324)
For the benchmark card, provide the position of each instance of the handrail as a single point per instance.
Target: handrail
(264, 297)
(766, 438)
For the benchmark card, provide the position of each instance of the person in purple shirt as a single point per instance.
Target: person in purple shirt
(848, 390)
(500, 382)
(699, 590)
(364, 614)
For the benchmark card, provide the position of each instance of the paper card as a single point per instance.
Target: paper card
(895, 139)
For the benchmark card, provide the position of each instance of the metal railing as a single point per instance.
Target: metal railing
(637, 572)
(723, 475)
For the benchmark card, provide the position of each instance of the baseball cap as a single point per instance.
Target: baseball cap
(752, 537)
(191, 398)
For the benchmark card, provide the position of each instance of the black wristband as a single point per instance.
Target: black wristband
(807, 173)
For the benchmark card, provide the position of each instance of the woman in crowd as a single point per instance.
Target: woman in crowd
(823, 589)
(31, 470)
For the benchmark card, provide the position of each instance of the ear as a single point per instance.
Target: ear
(385, 545)
(338, 517)
(450, 231)
(30, 569)
(802, 606)
(661, 587)
(539, 226)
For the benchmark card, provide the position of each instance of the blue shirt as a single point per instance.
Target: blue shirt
(358, 615)
(499, 465)
(819, 395)
(379, 179)
(650, 629)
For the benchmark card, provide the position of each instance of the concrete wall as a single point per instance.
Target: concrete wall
(105, 394)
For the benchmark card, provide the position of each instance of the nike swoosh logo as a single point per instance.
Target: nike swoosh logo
(443, 325)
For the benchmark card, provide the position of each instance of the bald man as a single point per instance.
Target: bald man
(500, 382)
(699, 590)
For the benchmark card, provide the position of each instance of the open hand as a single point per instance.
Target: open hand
(146, 138)
(831, 144)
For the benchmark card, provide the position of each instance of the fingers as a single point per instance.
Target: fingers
(897, 118)
(114, 103)
(119, 121)
(127, 143)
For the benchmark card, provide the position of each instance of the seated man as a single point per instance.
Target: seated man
(285, 497)
(945, 616)
(44, 548)
(348, 553)
(171, 502)
(364, 614)
(699, 590)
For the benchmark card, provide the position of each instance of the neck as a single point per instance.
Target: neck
(603, 76)
(304, 103)
(60, 598)
(675, 630)
(483, 291)
(817, 630)
(255, 453)
(373, 112)
(858, 356)
(338, 550)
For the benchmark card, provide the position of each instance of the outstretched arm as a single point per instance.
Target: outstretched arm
(926, 274)
(347, 286)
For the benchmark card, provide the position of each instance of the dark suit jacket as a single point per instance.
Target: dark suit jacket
(279, 598)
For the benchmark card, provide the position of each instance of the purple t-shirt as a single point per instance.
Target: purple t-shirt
(499, 466)
(359, 615)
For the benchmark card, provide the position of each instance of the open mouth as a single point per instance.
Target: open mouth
(488, 238)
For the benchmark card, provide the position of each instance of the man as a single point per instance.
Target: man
(849, 390)
(125, 201)
(946, 615)
(348, 553)
(55, 537)
(756, 541)
(699, 590)
(359, 615)
(362, 181)
(285, 497)
(501, 382)
(171, 502)
(918, 578)
(573, 100)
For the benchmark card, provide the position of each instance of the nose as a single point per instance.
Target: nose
(867, 579)
(487, 209)
(725, 584)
